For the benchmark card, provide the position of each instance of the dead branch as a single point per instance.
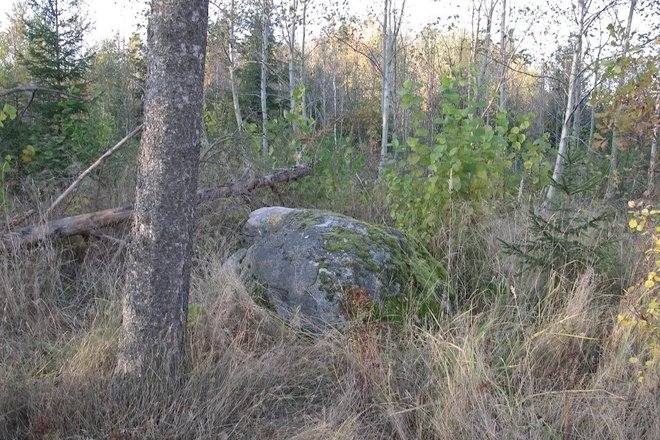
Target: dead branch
(93, 166)
(32, 89)
(91, 222)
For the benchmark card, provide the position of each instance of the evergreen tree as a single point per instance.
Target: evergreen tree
(55, 128)
(55, 53)
(250, 72)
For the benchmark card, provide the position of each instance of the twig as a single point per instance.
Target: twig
(92, 167)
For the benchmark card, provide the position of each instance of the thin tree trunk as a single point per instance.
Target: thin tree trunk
(153, 333)
(572, 80)
(303, 71)
(485, 56)
(292, 61)
(232, 68)
(385, 94)
(577, 111)
(650, 186)
(475, 29)
(264, 79)
(334, 99)
(592, 113)
(503, 56)
(614, 153)
(542, 104)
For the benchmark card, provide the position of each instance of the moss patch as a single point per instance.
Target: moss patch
(412, 279)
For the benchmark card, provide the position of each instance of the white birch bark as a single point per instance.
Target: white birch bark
(232, 67)
(264, 77)
(503, 56)
(572, 80)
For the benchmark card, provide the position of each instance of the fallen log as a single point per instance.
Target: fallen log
(89, 224)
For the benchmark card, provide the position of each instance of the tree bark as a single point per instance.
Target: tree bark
(159, 259)
(391, 29)
(264, 79)
(565, 128)
(614, 153)
(291, 43)
(303, 71)
(232, 68)
(650, 186)
(482, 79)
(503, 55)
(385, 94)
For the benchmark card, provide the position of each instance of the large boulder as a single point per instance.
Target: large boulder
(328, 269)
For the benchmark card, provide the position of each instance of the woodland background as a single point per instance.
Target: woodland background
(519, 142)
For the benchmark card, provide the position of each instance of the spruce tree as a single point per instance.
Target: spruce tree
(56, 127)
(55, 55)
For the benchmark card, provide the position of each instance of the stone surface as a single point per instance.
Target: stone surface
(328, 269)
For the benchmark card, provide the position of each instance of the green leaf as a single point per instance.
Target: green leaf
(10, 111)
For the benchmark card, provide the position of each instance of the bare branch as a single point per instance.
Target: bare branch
(93, 166)
(32, 89)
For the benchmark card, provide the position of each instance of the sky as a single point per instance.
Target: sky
(110, 18)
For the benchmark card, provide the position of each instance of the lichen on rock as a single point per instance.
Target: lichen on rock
(313, 264)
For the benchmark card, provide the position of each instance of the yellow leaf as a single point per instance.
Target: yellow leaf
(649, 284)
(632, 223)
(633, 360)
(631, 204)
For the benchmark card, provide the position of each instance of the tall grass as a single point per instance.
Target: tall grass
(533, 355)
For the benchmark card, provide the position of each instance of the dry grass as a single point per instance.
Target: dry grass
(531, 356)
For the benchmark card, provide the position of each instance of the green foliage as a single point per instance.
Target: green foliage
(250, 73)
(55, 130)
(470, 159)
(8, 112)
(55, 53)
(566, 239)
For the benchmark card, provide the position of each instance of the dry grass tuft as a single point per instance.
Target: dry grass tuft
(531, 356)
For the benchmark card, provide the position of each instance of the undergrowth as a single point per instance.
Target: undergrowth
(525, 354)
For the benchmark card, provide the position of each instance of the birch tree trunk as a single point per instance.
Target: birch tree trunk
(264, 78)
(303, 71)
(290, 13)
(391, 27)
(577, 111)
(232, 67)
(614, 153)
(565, 128)
(159, 259)
(503, 56)
(385, 93)
(485, 56)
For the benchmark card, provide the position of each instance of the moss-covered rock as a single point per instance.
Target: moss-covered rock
(330, 269)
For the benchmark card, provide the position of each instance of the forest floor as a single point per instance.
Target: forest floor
(529, 353)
